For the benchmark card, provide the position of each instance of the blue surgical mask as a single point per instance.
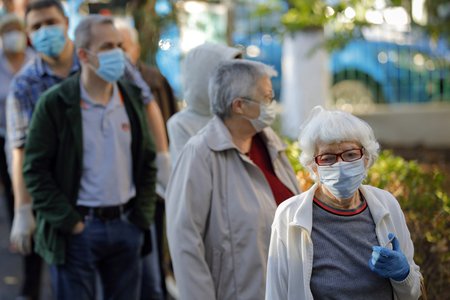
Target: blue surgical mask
(49, 40)
(111, 65)
(342, 179)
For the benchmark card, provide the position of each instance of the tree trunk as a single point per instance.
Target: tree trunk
(148, 25)
(306, 78)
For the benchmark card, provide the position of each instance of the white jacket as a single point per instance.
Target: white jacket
(291, 249)
(220, 209)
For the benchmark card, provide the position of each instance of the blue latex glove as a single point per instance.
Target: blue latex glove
(389, 263)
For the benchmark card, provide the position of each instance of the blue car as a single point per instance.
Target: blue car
(385, 72)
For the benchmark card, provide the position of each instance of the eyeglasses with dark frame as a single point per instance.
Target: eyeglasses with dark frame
(263, 103)
(328, 159)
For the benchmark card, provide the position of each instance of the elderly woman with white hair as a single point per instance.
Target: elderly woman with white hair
(225, 188)
(340, 239)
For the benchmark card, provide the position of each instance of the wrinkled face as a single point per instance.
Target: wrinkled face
(262, 94)
(39, 18)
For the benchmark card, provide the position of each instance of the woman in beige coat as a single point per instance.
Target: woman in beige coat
(225, 188)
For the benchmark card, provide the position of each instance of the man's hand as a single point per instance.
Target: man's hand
(79, 227)
(22, 229)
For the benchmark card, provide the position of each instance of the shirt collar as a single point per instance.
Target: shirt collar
(219, 138)
(87, 102)
(42, 67)
(303, 214)
(29, 54)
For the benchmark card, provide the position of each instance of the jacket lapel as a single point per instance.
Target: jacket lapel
(132, 108)
(70, 93)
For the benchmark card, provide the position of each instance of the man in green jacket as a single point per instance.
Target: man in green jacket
(89, 169)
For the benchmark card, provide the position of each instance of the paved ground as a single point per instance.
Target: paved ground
(11, 265)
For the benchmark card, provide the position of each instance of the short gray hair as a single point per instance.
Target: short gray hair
(122, 24)
(233, 79)
(10, 19)
(333, 126)
(83, 32)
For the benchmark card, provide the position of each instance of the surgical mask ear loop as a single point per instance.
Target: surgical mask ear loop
(111, 64)
(267, 114)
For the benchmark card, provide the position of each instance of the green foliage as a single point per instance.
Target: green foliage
(438, 18)
(312, 14)
(317, 14)
(268, 7)
(426, 205)
(421, 194)
(305, 14)
(309, 15)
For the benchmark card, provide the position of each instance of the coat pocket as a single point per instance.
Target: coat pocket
(50, 244)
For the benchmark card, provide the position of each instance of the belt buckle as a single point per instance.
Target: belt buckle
(102, 215)
(109, 213)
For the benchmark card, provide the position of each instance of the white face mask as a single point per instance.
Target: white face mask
(342, 179)
(267, 114)
(14, 41)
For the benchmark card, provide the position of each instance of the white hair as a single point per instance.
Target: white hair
(233, 79)
(329, 127)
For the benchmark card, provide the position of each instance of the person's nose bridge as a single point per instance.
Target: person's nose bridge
(339, 158)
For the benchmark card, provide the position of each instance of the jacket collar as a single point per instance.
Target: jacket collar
(69, 92)
(42, 67)
(377, 207)
(303, 214)
(218, 138)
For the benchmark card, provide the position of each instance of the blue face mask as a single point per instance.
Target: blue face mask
(49, 40)
(342, 179)
(111, 65)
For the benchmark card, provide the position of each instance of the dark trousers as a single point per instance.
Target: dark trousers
(160, 211)
(6, 181)
(110, 249)
(32, 263)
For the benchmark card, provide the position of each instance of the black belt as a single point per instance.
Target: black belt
(104, 213)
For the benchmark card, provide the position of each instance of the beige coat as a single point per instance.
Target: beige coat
(220, 210)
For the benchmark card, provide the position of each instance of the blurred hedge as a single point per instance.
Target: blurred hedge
(420, 192)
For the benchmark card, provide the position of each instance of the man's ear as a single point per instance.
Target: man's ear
(82, 55)
(237, 106)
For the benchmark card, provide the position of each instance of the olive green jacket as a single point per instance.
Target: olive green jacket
(53, 164)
